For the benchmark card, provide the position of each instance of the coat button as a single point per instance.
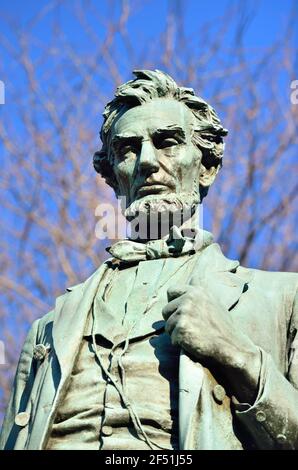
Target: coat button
(107, 430)
(219, 393)
(22, 419)
(39, 352)
(260, 416)
(281, 439)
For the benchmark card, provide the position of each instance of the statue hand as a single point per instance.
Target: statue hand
(198, 323)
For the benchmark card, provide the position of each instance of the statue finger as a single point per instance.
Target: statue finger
(176, 291)
(170, 308)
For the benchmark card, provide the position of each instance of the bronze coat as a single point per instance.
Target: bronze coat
(264, 308)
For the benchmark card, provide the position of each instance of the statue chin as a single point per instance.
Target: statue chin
(170, 204)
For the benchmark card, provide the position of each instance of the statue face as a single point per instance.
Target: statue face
(154, 154)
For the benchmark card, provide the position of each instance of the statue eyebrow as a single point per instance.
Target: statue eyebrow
(171, 131)
(119, 139)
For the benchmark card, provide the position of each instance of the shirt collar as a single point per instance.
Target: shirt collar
(176, 244)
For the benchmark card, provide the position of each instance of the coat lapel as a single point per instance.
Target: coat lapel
(217, 274)
(211, 269)
(70, 318)
(71, 314)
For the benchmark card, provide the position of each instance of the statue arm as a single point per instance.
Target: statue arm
(22, 385)
(273, 418)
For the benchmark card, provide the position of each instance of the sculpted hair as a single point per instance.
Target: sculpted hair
(208, 132)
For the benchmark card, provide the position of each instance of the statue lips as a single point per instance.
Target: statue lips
(152, 187)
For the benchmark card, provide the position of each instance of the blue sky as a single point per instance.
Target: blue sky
(265, 22)
(261, 31)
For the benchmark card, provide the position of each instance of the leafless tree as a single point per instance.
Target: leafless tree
(55, 93)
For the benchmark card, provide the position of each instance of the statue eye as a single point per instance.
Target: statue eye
(126, 149)
(167, 142)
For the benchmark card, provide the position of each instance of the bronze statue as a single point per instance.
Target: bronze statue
(168, 345)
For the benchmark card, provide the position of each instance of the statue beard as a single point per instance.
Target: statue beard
(161, 210)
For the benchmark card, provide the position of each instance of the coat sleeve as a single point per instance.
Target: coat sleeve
(272, 420)
(22, 385)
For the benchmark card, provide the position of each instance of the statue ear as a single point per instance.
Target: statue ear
(105, 169)
(208, 175)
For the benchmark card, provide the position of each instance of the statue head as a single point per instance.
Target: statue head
(162, 144)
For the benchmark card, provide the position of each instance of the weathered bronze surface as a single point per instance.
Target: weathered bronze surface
(168, 345)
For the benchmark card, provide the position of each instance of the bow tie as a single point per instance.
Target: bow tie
(175, 245)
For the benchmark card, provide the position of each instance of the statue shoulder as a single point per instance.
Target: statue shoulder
(45, 322)
(273, 278)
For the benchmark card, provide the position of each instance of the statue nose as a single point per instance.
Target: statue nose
(148, 161)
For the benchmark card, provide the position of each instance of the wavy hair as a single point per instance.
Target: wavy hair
(148, 84)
